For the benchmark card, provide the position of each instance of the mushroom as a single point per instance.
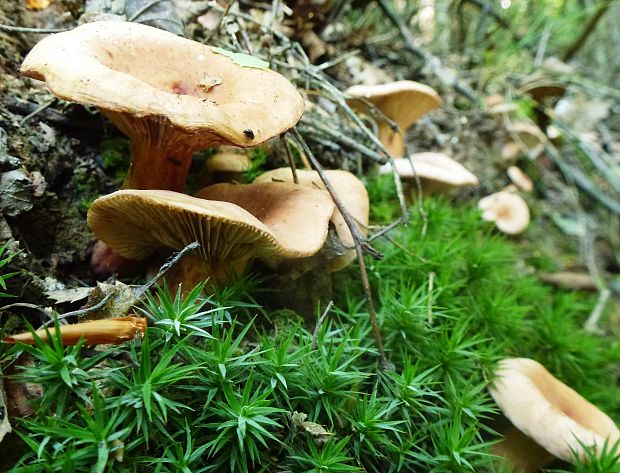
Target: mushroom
(227, 165)
(528, 136)
(520, 179)
(549, 418)
(404, 102)
(282, 219)
(169, 95)
(351, 192)
(508, 210)
(436, 172)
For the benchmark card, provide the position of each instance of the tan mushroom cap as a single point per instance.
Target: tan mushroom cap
(520, 179)
(297, 217)
(229, 161)
(405, 102)
(436, 171)
(164, 91)
(508, 210)
(351, 192)
(138, 223)
(529, 136)
(549, 412)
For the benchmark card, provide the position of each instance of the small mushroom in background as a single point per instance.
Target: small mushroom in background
(404, 102)
(520, 179)
(549, 419)
(524, 136)
(508, 210)
(436, 171)
(354, 197)
(227, 165)
(171, 96)
(288, 221)
(496, 105)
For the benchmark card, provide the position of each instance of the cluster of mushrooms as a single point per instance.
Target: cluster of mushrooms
(208, 99)
(169, 111)
(405, 102)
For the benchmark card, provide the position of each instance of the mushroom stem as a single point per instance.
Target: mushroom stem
(160, 154)
(392, 140)
(520, 452)
(154, 167)
(193, 270)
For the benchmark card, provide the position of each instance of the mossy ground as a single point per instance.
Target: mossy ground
(216, 384)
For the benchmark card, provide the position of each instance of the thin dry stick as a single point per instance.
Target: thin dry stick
(138, 293)
(170, 262)
(312, 72)
(319, 324)
(431, 281)
(144, 9)
(591, 324)
(289, 156)
(97, 306)
(433, 62)
(37, 111)
(219, 23)
(21, 29)
(360, 246)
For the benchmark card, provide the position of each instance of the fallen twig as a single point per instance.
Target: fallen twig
(591, 324)
(21, 29)
(360, 246)
(319, 324)
(446, 77)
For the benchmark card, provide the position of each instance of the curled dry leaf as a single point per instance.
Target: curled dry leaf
(96, 332)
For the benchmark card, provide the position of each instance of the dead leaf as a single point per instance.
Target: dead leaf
(320, 434)
(69, 295)
(208, 82)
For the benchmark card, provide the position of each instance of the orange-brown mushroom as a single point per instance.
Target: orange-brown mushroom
(170, 95)
(404, 102)
(550, 419)
(282, 220)
(436, 171)
(351, 192)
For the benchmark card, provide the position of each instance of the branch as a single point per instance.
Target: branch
(588, 28)
(360, 246)
(446, 77)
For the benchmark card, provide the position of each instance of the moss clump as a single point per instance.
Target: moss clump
(451, 301)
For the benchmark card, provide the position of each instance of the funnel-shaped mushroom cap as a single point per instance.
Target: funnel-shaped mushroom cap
(405, 102)
(136, 223)
(436, 171)
(351, 192)
(548, 411)
(137, 69)
(164, 92)
(508, 210)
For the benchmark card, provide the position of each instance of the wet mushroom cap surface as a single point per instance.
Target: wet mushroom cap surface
(547, 410)
(129, 68)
